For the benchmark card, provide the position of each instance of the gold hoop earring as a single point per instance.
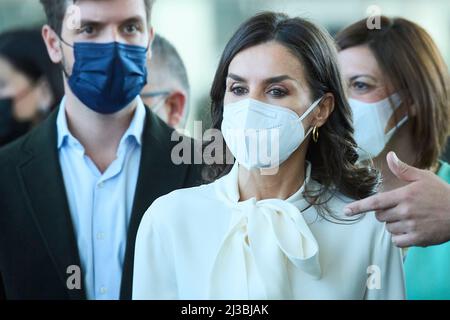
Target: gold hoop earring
(315, 134)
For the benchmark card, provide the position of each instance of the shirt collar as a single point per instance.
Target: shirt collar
(230, 186)
(135, 130)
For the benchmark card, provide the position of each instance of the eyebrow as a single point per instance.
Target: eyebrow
(91, 22)
(267, 81)
(363, 75)
(135, 19)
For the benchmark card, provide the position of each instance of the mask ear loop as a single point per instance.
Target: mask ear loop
(63, 67)
(307, 112)
(395, 105)
(397, 126)
(63, 41)
(148, 46)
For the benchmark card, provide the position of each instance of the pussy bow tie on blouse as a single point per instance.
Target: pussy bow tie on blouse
(264, 237)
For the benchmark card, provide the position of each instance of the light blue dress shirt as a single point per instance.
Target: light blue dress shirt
(100, 204)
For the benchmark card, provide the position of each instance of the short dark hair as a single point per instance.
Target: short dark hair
(55, 11)
(334, 156)
(411, 61)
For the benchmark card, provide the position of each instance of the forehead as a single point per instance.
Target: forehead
(5, 67)
(359, 60)
(266, 60)
(10, 77)
(8, 73)
(106, 11)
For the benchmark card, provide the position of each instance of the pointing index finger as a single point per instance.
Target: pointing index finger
(380, 201)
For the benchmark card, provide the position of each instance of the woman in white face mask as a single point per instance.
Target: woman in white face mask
(398, 86)
(272, 226)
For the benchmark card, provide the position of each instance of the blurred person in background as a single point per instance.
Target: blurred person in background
(167, 90)
(398, 85)
(30, 84)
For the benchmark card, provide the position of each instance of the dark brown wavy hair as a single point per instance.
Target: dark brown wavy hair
(334, 156)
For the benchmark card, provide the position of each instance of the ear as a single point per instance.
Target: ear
(175, 103)
(412, 111)
(324, 110)
(409, 105)
(53, 44)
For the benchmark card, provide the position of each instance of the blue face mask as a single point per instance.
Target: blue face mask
(106, 77)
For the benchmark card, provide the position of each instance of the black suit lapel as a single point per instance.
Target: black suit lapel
(43, 185)
(157, 177)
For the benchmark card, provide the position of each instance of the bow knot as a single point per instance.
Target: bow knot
(264, 237)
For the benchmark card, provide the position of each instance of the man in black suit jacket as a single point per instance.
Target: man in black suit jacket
(37, 240)
(37, 236)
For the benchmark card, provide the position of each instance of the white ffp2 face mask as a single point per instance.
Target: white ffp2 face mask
(370, 121)
(261, 135)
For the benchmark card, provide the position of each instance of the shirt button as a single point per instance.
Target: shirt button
(101, 185)
(103, 290)
(100, 236)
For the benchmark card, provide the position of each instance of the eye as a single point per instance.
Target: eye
(239, 91)
(360, 86)
(131, 29)
(278, 92)
(87, 29)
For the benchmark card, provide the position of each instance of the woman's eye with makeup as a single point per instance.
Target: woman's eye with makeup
(238, 91)
(360, 86)
(278, 92)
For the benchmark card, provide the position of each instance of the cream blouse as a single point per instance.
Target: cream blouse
(202, 243)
